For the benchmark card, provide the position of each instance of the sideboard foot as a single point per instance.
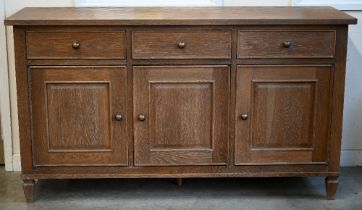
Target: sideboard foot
(331, 187)
(29, 190)
(179, 182)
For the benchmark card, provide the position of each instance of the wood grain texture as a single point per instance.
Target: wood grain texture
(181, 16)
(186, 116)
(303, 44)
(92, 45)
(164, 44)
(189, 106)
(78, 116)
(72, 115)
(283, 113)
(288, 110)
(76, 62)
(24, 102)
(233, 69)
(130, 120)
(181, 171)
(338, 99)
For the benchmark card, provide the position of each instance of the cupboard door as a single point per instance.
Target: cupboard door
(78, 115)
(282, 114)
(181, 115)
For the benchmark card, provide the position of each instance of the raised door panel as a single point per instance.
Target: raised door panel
(185, 113)
(73, 111)
(282, 114)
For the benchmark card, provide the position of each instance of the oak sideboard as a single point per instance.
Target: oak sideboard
(180, 92)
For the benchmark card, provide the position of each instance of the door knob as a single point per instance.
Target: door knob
(244, 116)
(287, 44)
(181, 45)
(118, 117)
(141, 117)
(76, 45)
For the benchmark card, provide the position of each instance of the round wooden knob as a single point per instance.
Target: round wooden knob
(181, 45)
(141, 117)
(244, 116)
(287, 44)
(76, 45)
(118, 117)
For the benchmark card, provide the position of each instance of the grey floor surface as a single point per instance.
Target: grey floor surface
(208, 194)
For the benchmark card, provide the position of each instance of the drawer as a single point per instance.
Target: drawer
(286, 44)
(181, 45)
(76, 45)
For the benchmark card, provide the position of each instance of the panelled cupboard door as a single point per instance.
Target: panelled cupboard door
(78, 115)
(181, 115)
(282, 114)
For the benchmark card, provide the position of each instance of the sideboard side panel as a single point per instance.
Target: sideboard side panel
(24, 115)
(338, 99)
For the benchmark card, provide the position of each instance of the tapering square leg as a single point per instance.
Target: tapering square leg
(29, 190)
(331, 187)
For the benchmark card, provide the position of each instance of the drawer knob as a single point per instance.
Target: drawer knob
(244, 116)
(118, 117)
(141, 117)
(287, 44)
(181, 45)
(76, 45)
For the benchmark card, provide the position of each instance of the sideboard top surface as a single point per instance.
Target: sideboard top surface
(181, 16)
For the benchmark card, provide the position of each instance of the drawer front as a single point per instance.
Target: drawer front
(76, 45)
(181, 45)
(286, 44)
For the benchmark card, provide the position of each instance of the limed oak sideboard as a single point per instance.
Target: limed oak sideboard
(180, 92)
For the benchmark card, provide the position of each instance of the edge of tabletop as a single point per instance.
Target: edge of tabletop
(24, 17)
